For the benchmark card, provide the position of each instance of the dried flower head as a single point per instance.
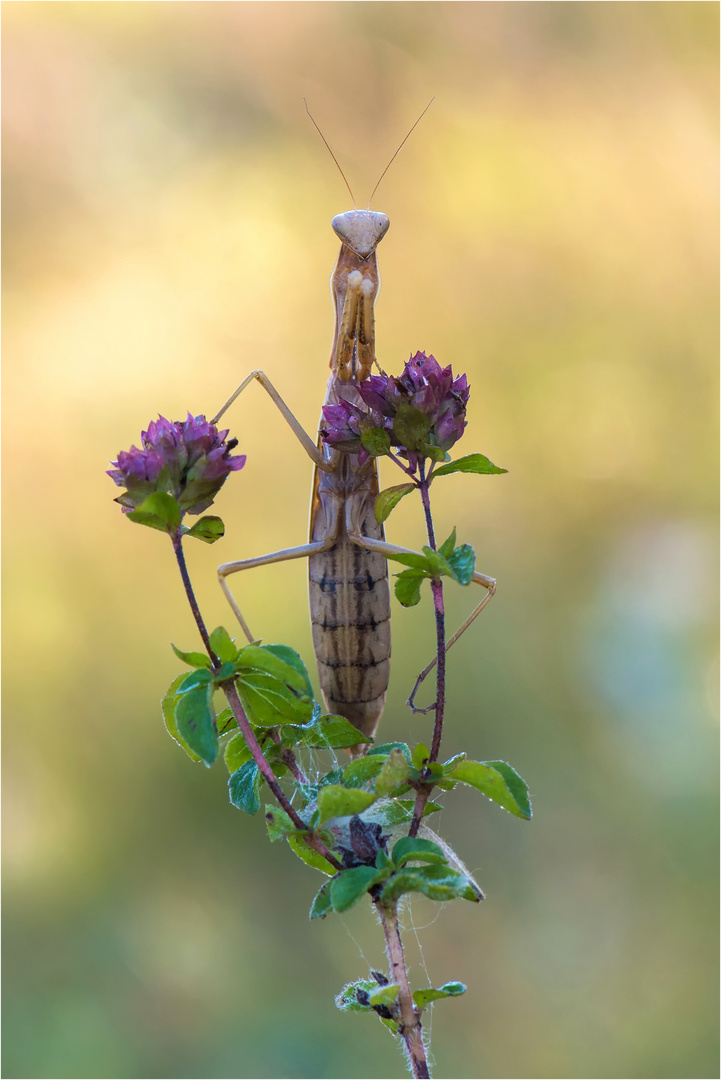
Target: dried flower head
(189, 459)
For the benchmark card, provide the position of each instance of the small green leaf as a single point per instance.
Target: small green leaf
(408, 587)
(292, 659)
(268, 701)
(350, 885)
(195, 721)
(446, 548)
(307, 854)
(449, 766)
(265, 658)
(414, 847)
(362, 770)
(225, 721)
(438, 565)
(388, 499)
(243, 788)
(222, 645)
(208, 529)
(421, 753)
(463, 562)
(321, 905)
(384, 749)
(168, 705)
(412, 559)
(472, 463)
(355, 997)
(384, 995)
(394, 772)
(236, 752)
(330, 732)
(194, 659)
(376, 441)
(449, 989)
(158, 511)
(278, 824)
(411, 427)
(392, 812)
(392, 1025)
(498, 781)
(338, 801)
(437, 882)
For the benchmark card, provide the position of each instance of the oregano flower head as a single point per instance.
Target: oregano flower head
(422, 413)
(188, 459)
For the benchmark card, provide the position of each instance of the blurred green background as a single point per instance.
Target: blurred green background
(167, 212)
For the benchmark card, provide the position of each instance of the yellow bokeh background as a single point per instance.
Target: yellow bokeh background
(167, 211)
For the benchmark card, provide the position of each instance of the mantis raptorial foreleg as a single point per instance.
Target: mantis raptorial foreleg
(302, 436)
(488, 583)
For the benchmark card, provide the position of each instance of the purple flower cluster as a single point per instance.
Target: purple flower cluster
(189, 458)
(423, 413)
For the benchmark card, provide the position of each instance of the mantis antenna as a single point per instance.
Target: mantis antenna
(355, 205)
(397, 151)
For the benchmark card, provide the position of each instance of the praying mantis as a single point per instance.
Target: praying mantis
(347, 551)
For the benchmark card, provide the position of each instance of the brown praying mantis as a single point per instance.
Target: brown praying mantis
(347, 551)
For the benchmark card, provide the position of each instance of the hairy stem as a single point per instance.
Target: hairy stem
(410, 1022)
(437, 590)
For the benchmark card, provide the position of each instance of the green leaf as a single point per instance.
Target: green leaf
(473, 463)
(300, 846)
(330, 731)
(158, 511)
(388, 499)
(362, 770)
(350, 885)
(208, 529)
(243, 787)
(384, 995)
(194, 659)
(414, 847)
(278, 824)
(411, 427)
(268, 701)
(225, 721)
(446, 548)
(408, 587)
(392, 812)
(236, 752)
(321, 905)
(392, 1025)
(412, 559)
(168, 705)
(195, 721)
(449, 989)
(438, 565)
(437, 882)
(348, 999)
(338, 801)
(498, 781)
(394, 772)
(449, 766)
(384, 749)
(421, 753)
(265, 658)
(292, 659)
(222, 645)
(462, 563)
(376, 441)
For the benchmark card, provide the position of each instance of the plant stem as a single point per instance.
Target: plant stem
(239, 713)
(437, 590)
(180, 557)
(410, 1022)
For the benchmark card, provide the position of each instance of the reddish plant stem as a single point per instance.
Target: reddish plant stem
(239, 713)
(180, 557)
(409, 1022)
(437, 590)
